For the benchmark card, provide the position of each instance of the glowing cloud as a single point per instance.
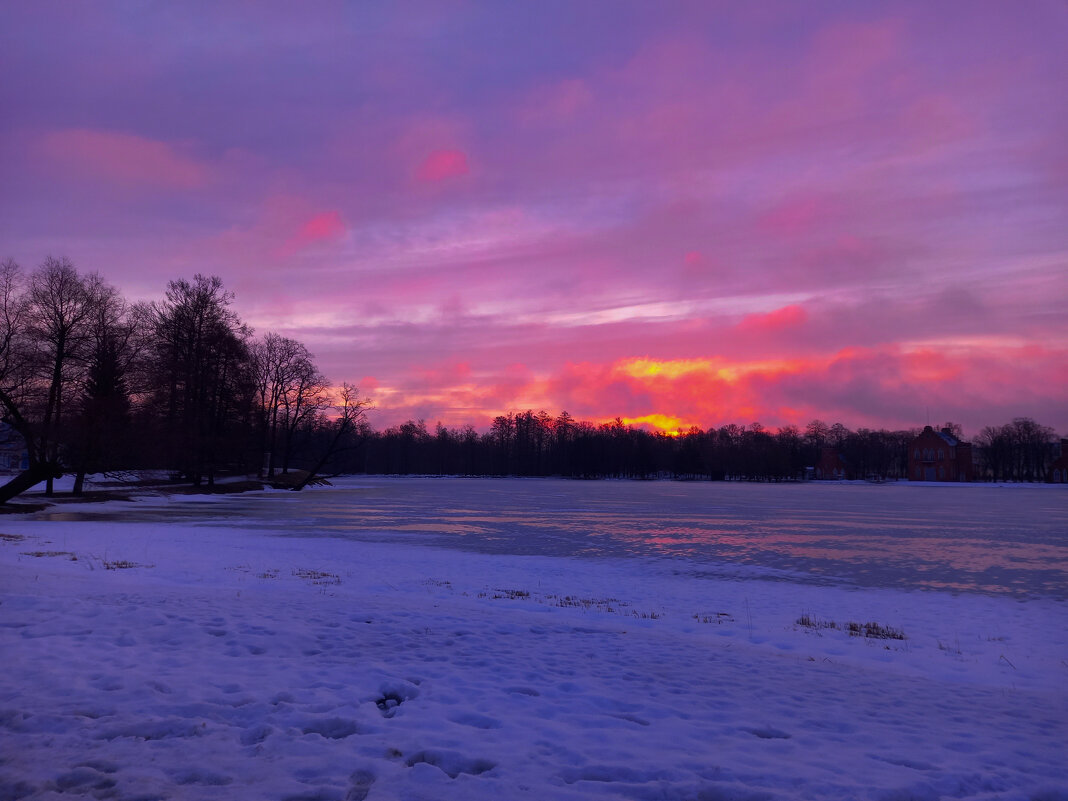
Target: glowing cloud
(122, 158)
(787, 317)
(735, 211)
(443, 164)
(327, 225)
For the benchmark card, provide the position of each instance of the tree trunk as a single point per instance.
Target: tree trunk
(79, 482)
(35, 474)
(330, 451)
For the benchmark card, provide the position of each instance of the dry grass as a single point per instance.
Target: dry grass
(40, 554)
(870, 630)
(320, 577)
(122, 564)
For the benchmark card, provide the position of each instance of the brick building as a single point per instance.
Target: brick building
(832, 466)
(1058, 471)
(940, 456)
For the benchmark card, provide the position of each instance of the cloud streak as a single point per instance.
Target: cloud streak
(822, 210)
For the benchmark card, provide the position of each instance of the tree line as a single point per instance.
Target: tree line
(92, 382)
(539, 444)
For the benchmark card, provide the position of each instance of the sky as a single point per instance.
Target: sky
(676, 213)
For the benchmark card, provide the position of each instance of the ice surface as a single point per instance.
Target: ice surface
(1000, 539)
(184, 661)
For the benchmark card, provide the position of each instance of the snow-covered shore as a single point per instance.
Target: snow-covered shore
(176, 661)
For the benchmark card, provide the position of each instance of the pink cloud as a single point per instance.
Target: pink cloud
(327, 225)
(121, 158)
(798, 215)
(787, 317)
(443, 164)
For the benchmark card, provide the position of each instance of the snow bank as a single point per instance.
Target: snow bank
(176, 661)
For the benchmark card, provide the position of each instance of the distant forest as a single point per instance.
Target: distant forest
(537, 444)
(92, 383)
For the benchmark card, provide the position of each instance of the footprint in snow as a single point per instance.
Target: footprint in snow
(474, 720)
(393, 695)
(255, 735)
(451, 763)
(83, 779)
(331, 728)
(361, 785)
(200, 776)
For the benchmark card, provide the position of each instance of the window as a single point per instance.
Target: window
(941, 454)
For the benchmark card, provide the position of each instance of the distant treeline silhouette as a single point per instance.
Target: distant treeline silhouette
(538, 444)
(91, 383)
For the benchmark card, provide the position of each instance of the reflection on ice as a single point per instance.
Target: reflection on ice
(982, 539)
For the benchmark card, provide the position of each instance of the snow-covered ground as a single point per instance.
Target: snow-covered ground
(151, 660)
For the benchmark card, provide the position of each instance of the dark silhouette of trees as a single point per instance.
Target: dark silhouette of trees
(99, 439)
(203, 375)
(60, 307)
(289, 392)
(45, 338)
(535, 443)
(92, 383)
(1018, 451)
(347, 431)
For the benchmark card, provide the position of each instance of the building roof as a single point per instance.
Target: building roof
(945, 435)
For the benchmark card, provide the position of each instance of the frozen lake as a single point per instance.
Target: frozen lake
(1003, 540)
(475, 640)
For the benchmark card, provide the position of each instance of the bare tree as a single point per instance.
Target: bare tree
(201, 370)
(306, 397)
(59, 313)
(289, 392)
(117, 345)
(18, 378)
(348, 429)
(44, 336)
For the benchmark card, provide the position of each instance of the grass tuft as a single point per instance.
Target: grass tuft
(320, 577)
(122, 564)
(40, 554)
(870, 630)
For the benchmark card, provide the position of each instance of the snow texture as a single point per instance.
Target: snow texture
(170, 660)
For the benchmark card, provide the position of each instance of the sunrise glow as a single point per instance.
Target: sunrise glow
(676, 216)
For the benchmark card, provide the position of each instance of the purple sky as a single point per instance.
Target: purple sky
(679, 213)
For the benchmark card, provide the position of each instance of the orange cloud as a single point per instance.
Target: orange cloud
(121, 158)
(442, 164)
(664, 423)
(890, 386)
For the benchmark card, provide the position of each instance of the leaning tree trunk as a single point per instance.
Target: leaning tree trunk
(34, 474)
(333, 449)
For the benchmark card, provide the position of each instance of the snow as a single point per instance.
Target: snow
(164, 658)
